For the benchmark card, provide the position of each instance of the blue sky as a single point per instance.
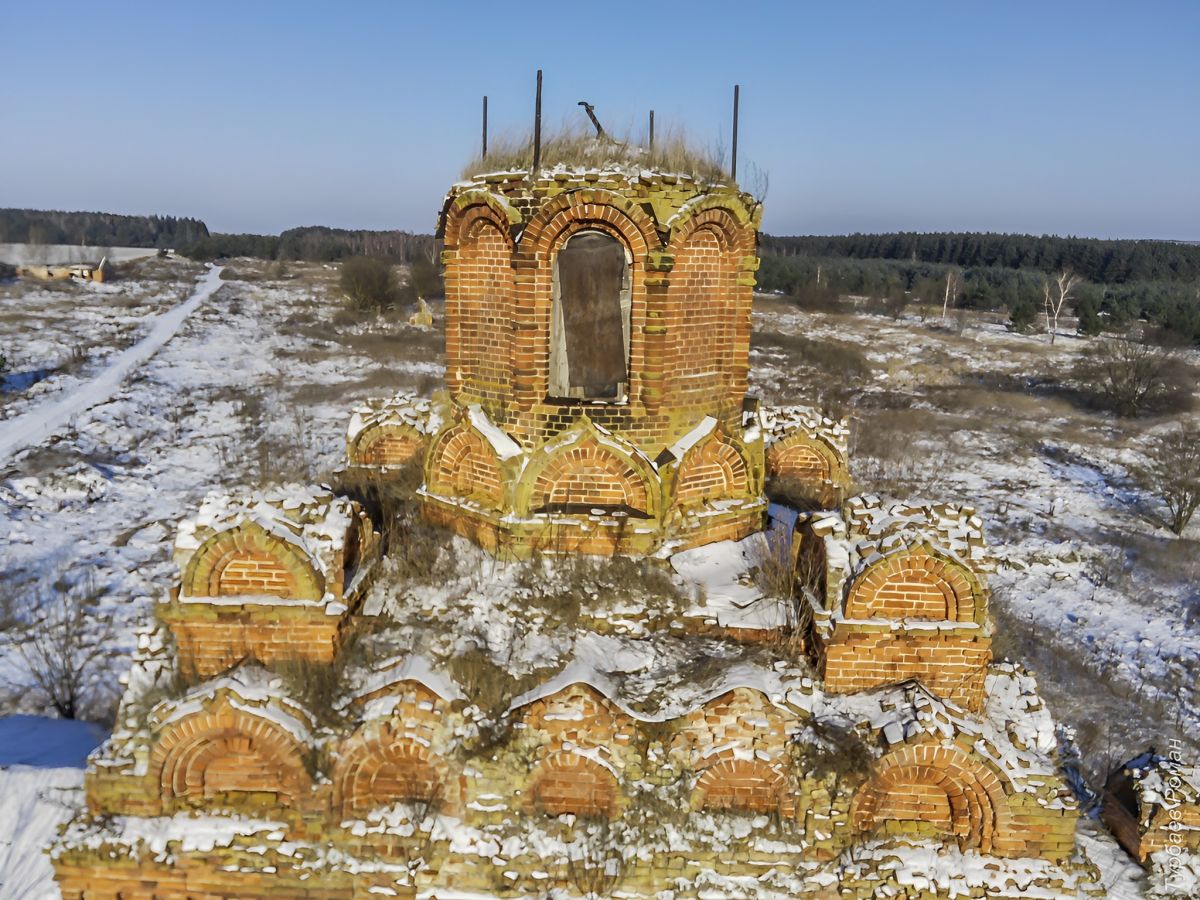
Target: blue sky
(1043, 117)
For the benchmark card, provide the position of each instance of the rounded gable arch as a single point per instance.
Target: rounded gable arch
(726, 212)
(382, 766)
(715, 468)
(956, 793)
(464, 211)
(739, 784)
(461, 463)
(218, 753)
(247, 560)
(566, 782)
(588, 469)
(916, 582)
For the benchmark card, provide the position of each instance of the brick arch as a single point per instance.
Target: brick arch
(556, 222)
(600, 210)
(480, 304)
(567, 782)
(587, 472)
(712, 470)
(245, 559)
(743, 785)
(386, 768)
(726, 212)
(915, 583)
(945, 787)
(220, 753)
(465, 210)
(463, 464)
(386, 445)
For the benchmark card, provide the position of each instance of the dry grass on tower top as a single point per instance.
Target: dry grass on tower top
(578, 147)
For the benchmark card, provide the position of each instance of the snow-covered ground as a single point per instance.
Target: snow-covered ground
(258, 383)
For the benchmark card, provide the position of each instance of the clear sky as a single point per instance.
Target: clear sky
(1044, 117)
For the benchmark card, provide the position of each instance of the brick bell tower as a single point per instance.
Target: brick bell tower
(597, 350)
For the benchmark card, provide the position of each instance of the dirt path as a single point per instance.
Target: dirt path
(38, 424)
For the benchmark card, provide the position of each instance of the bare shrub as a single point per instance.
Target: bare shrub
(491, 687)
(1173, 475)
(65, 645)
(369, 284)
(1131, 377)
(596, 857)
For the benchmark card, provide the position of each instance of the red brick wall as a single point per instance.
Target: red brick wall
(589, 474)
(713, 471)
(569, 783)
(206, 647)
(483, 313)
(744, 785)
(384, 446)
(950, 665)
(465, 466)
(251, 572)
(702, 305)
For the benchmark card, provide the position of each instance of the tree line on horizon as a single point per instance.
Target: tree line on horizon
(97, 229)
(1122, 281)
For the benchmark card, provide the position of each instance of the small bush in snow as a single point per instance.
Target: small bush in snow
(64, 647)
(369, 284)
(1173, 475)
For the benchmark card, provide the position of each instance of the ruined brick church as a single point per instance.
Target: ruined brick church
(597, 364)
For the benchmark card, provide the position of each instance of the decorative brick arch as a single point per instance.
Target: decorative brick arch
(567, 782)
(246, 559)
(809, 460)
(463, 464)
(915, 583)
(383, 768)
(386, 445)
(712, 470)
(727, 211)
(945, 787)
(469, 207)
(743, 785)
(601, 210)
(555, 223)
(590, 473)
(223, 752)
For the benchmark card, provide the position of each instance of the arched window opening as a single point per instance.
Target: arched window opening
(589, 332)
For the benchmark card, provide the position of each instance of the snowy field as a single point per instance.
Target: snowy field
(257, 385)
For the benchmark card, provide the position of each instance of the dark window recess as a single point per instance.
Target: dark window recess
(589, 343)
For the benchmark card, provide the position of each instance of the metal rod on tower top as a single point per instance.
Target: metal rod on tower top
(484, 126)
(733, 164)
(537, 125)
(651, 129)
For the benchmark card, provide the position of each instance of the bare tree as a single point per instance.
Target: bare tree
(953, 286)
(1130, 376)
(65, 645)
(1173, 475)
(1056, 291)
